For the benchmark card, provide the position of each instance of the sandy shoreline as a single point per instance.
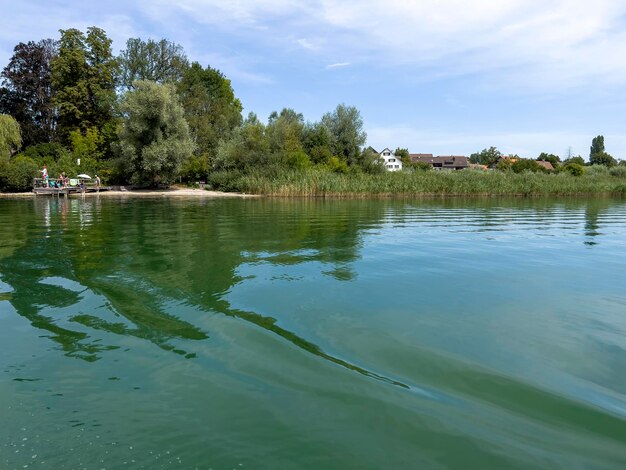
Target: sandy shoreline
(171, 192)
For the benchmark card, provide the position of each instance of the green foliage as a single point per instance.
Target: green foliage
(505, 164)
(422, 166)
(87, 144)
(17, 175)
(195, 168)
(549, 157)
(336, 165)
(154, 139)
(618, 171)
(10, 136)
(161, 62)
(211, 108)
(83, 78)
(486, 156)
(319, 181)
(370, 162)
(403, 155)
(317, 142)
(26, 92)
(597, 145)
(602, 158)
(346, 128)
(578, 160)
(524, 164)
(284, 131)
(46, 152)
(574, 169)
(247, 148)
(229, 181)
(597, 170)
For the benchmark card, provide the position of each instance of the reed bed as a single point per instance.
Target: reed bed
(321, 183)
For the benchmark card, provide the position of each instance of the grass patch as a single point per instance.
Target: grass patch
(316, 182)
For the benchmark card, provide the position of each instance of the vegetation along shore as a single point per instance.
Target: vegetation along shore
(150, 118)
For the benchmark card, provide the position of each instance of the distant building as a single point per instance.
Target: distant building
(547, 165)
(391, 162)
(450, 162)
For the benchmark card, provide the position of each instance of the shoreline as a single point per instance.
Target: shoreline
(133, 193)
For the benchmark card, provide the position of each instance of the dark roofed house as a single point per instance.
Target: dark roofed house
(452, 162)
(416, 157)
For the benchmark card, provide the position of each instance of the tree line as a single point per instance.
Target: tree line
(150, 116)
(574, 165)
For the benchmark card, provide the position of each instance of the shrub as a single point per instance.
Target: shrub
(597, 170)
(337, 166)
(19, 174)
(527, 165)
(573, 169)
(195, 168)
(229, 181)
(422, 166)
(618, 171)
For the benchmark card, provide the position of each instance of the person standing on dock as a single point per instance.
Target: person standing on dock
(44, 175)
(97, 182)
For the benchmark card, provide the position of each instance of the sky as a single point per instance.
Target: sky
(448, 77)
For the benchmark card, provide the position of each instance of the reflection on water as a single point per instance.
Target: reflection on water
(498, 317)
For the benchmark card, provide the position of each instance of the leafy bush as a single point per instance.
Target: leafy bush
(18, 174)
(422, 166)
(597, 170)
(45, 153)
(618, 171)
(229, 181)
(337, 166)
(527, 165)
(195, 168)
(573, 169)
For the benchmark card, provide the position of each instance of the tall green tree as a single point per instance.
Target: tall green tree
(346, 127)
(317, 142)
(211, 108)
(403, 155)
(160, 61)
(26, 92)
(597, 145)
(84, 79)
(598, 155)
(248, 148)
(487, 157)
(10, 136)
(154, 139)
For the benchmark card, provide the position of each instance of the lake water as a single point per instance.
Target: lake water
(274, 334)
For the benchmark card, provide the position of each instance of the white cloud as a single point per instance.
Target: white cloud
(536, 44)
(337, 65)
(307, 44)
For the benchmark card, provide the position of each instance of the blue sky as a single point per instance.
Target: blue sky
(436, 76)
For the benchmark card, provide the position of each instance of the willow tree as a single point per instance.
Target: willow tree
(10, 136)
(154, 138)
(346, 127)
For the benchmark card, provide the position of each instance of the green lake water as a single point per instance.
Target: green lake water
(232, 334)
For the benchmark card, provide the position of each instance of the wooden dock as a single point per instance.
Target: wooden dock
(51, 187)
(65, 192)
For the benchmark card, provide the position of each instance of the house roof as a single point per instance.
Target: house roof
(451, 161)
(547, 165)
(414, 156)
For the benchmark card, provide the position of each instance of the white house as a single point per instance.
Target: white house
(391, 162)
